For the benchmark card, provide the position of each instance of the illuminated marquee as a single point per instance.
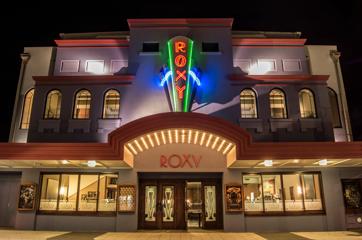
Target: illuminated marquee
(180, 78)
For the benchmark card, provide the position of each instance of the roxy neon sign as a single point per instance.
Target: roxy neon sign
(181, 78)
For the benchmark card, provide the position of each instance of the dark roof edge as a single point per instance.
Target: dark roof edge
(96, 35)
(265, 34)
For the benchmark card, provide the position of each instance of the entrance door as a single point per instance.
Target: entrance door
(162, 204)
(211, 194)
(9, 187)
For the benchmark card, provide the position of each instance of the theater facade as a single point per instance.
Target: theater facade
(181, 124)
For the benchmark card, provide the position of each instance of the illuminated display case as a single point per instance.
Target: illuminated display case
(126, 198)
(233, 198)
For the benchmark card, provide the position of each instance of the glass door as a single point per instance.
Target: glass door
(148, 207)
(162, 204)
(212, 205)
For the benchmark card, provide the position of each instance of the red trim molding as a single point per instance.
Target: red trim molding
(57, 151)
(180, 22)
(86, 79)
(245, 148)
(316, 79)
(268, 41)
(92, 43)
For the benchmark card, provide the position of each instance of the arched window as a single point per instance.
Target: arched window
(28, 103)
(307, 104)
(248, 104)
(278, 108)
(82, 105)
(111, 104)
(336, 121)
(53, 104)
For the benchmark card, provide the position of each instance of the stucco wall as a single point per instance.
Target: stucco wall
(321, 62)
(39, 64)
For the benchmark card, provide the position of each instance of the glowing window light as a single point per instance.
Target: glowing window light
(208, 140)
(95, 66)
(163, 137)
(138, 145)
(220, 146)
(227, 148)
(62, 191)
(214, 144)
(132, 148)
(150, 139)
(183, 136)
(144, 142)
(196, 137)
(202, 138)
(299, 190)
(176, 136)
(189, 139)
(169, 136)
(157, 140)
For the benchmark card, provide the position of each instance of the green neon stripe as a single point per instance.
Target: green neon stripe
(187, 95)
(170, 57)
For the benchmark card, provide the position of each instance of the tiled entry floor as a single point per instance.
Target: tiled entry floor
(177, 235)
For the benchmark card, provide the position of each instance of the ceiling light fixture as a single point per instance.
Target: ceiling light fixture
(323, 162)
(157, 140)
(91, 163)
(268, 163)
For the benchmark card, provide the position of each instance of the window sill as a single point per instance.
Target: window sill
(149, 53)
(76, 213)
(211, 53)
(294, 213)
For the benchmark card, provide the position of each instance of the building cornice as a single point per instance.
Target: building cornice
(246, 149)
(85, 79)
(268, 41)
(92, 43)
(298, 78)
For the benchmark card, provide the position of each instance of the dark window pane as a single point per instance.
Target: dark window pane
(150, 47)
(210, 47)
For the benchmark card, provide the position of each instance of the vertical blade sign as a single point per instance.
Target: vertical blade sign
(180, 57)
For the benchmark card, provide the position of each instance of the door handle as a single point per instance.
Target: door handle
(159, 206)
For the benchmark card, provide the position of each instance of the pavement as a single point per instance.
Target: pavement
(177, 235)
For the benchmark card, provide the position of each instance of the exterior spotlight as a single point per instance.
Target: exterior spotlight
(91, 163)
(268, 163)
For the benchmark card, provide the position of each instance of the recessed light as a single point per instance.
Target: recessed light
(323, 162)
(296, 161)
(91, 163)
(65, 161)
(268, 163)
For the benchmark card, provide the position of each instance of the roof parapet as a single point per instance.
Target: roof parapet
(96, 35)
(265, 34)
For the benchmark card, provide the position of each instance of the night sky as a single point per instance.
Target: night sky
(321, 22)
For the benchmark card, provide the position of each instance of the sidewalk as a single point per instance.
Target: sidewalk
(176, 235)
